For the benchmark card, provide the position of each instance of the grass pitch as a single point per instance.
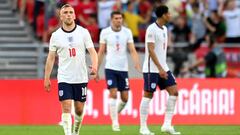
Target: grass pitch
(125, 130)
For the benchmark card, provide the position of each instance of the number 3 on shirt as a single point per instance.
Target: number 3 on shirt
(72, 52)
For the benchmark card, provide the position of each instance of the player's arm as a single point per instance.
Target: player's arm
(48, 69)
(101, 53)
(154, 58)
(92, 52)
(220, 7)
(94, 60)
(194, 65)
(134, 56)
(197, 63)
(101, 49)
(209, 58)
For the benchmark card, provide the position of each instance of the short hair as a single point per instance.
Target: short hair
(65, 6)
(59, 5)
(161, 10)
(116, 13)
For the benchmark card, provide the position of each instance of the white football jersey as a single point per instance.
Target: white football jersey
(116, 44)
(71, 49)
(157, 35)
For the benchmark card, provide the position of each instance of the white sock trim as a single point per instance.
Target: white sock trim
(113, 111)
(67, 123)
(144, 108)
(169, 110)
(121, 106)
(77, 123)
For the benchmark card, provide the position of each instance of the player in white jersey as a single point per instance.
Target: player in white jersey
(116, 39)
(156, 72)
(70, 43)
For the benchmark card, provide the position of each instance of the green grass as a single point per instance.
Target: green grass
(125, 130)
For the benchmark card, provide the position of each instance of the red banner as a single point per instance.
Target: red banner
(233, 61)
(200, 101)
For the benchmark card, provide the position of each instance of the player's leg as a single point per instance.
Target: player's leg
(150, 84)
(65, 96)
(171, 87)
(66, 116)
(78, 117)
(80, 95)
(111, 79)
(113, 109)
(123, 87)
(124, 99)
(144, 109)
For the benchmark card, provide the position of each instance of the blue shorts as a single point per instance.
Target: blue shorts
(152, 80)
(77, 92)
(117, 79)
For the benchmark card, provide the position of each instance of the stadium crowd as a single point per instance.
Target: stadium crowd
(193, 21)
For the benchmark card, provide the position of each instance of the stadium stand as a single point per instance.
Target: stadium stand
(20, 61)
(11, 30)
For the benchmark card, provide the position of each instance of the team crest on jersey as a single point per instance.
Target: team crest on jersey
(153, 85)
(60, 93)
(70, 39)
(109, 82)
(117, 37)
(164, 35)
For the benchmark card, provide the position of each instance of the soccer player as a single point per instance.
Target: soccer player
(116, 39)
(70, 43)
(156, 72)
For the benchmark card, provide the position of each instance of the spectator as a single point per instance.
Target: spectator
(38, 9)
(215, 26)
(189, 7)
(133, 20)
(53, 23)
(231, 15)
(145, 11)
(21, 5)
(175, 7)
(84, 9)
(49, 12)
(213, 5)
(105, 7)
(14, 4)
(144, 7)
(181, 32)
(215, 61)
(198, 26)
(93, 27)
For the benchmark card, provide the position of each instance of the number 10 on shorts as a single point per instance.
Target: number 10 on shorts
(84, 91)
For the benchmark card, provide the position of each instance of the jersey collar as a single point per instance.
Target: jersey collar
(115, 30)
(159, 25)
(70, 30)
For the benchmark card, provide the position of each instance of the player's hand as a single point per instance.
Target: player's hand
(93, 72)
(97, 78)
(163, 74)
(47, 84)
